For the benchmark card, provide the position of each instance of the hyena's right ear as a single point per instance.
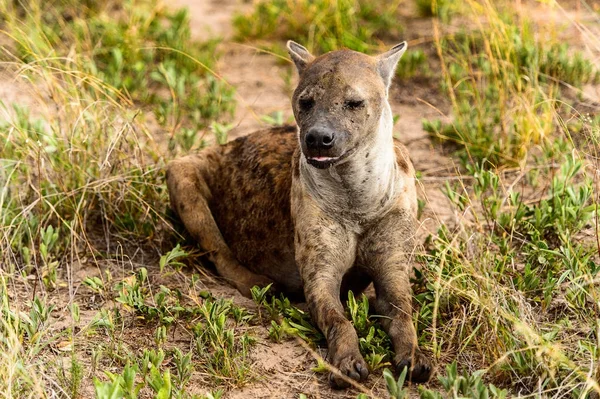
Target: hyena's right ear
(300, 55)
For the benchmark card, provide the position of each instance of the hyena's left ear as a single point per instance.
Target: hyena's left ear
(300, 55)
(386, 62)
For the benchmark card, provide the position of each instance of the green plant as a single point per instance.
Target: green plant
(173, 258)
(464, 386)
(223, 350)
(138, 63)
(274, 118)
(95, 284)
(503, 86)
(414, 62)
(106, 319)
(130, 388)
(34, 324)
(88, 158)
(183, 368)
(220, 131)
(165, 306)
(516, 261)
(441, 8)
(71, 380)
(326, 25)
(374, 343)
(394, 387)
(218, 394)
(49, 238)
(108, 389)
(160, 383)
(286, 319)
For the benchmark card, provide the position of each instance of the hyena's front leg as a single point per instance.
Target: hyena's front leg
(388, 251)
(325, 251)
(189, 194)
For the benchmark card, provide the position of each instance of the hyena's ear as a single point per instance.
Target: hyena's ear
(300, 55)
(386, 62)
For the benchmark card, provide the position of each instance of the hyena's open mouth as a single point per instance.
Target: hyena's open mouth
(322, 162)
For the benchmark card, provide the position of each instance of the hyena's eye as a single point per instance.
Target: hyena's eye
(354, 104)
(306, 104)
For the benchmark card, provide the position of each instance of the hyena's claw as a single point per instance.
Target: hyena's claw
(420, 371)
(353, 367)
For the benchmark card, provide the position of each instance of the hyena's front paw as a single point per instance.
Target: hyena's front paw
(352, 366)
(419, 366)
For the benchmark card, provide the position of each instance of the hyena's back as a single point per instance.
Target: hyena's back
(249, 181)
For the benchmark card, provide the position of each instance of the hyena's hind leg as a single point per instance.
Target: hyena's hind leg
(189, 194)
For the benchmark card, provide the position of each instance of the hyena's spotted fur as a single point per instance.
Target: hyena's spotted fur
(316, 209)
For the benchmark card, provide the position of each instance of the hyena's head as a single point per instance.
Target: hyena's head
(340, 103)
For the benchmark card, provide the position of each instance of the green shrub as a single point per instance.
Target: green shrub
(511, 289)
(322, 25)
(504, 87)
(133, 50)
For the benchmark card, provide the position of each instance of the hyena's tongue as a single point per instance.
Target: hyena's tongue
(322, 159)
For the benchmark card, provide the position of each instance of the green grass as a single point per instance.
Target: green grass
(91, 155)
(288, 321)
(82, 180)
(130, 51)
(440, 8)
(329, 25)
(414, 63)
(322, 25)
(512, 277)
(512, 286)
(505, 85)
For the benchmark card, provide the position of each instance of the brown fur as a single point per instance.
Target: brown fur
(268, 209)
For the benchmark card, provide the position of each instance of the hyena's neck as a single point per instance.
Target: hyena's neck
(362, 186)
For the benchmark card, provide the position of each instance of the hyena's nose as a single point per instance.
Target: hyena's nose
(317, 139)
